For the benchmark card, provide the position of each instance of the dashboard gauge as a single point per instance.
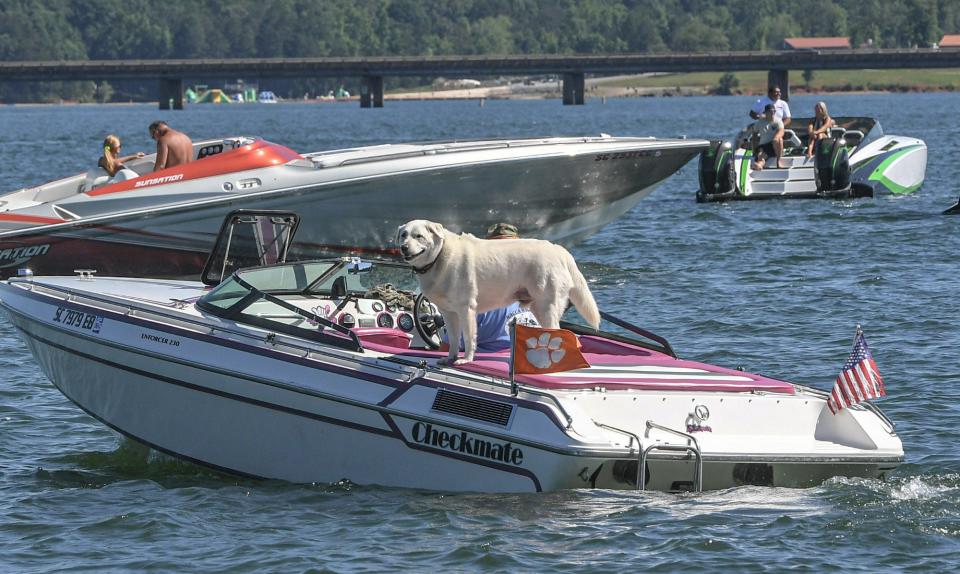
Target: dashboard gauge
(405, 322)
(377, 306)
(385, 320)
(348, 320)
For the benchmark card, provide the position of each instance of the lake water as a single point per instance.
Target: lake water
(777, 287)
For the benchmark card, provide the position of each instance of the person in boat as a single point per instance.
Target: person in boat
(173, 147)
(772, 97)
(819, 127)
(110, 161)
(766, 138)
(493, 327)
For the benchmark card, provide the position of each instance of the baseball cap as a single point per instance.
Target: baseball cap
(769, 108)
(502, 231)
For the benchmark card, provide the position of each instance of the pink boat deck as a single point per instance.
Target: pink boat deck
(613, 365)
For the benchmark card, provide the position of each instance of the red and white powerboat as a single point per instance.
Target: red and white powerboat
(162, 224)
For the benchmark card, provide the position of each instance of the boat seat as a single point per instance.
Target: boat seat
(98, 178)
(94, 179)
(123, 175)
(853, 137)
(790, 139)
(837, 133)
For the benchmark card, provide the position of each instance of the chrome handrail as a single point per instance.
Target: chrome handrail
(628, 433)
(640, 458)
(697, 471)
(689, 437)
(694, 448)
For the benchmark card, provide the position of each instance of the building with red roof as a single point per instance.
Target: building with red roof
(827, 43)
(950, 41)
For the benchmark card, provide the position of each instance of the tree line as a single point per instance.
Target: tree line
(146, 29)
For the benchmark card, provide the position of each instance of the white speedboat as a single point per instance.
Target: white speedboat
(318, 371)
(857, 160)
(163, 223)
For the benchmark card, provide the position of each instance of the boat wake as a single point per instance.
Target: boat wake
(923, 487)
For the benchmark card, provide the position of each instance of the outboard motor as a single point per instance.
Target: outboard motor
(832, 165)
(718, 179)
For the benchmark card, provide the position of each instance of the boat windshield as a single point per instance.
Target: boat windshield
(294, 298)
(287, 278)
(261, 297)
(249, 238)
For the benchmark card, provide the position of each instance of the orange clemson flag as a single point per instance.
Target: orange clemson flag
(537, 351)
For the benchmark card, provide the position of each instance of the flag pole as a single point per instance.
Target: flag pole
(857, 334)
(513, 350)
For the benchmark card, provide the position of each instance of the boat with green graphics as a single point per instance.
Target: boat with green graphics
(857, 160)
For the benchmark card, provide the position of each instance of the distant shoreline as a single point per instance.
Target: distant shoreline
(498, 93)
(742, 83)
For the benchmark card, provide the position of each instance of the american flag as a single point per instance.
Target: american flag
(859, 379)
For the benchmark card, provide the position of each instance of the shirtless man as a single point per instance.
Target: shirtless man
(173, 147)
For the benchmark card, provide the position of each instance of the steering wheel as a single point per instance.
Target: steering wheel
(428, 321)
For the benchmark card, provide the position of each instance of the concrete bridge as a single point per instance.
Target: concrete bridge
(372, 70)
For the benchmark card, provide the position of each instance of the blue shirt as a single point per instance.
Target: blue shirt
(493, 327)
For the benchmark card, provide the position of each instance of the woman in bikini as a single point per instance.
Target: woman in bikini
(819, 127)
(111, 161)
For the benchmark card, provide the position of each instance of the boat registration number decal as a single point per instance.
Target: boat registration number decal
(87, 321)
(627, 154)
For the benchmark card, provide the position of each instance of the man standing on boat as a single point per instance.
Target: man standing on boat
(173, 147)
(772, 97)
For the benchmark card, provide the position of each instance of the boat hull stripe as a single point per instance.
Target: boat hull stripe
(394, 431)
(401, 387)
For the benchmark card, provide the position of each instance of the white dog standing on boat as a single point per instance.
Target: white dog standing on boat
(464, 275)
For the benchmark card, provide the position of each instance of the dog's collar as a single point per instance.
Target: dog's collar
(428, 266)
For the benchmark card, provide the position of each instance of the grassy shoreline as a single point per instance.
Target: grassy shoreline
(931, 80)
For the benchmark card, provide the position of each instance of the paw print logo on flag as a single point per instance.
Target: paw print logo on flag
(544, 351)
(539, 351)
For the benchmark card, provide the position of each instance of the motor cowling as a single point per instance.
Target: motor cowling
(832, 165)
(716, 173)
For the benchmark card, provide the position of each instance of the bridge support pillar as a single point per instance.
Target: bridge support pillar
(171, 93)
(780, 78)
(574, 92)
(371, 92)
